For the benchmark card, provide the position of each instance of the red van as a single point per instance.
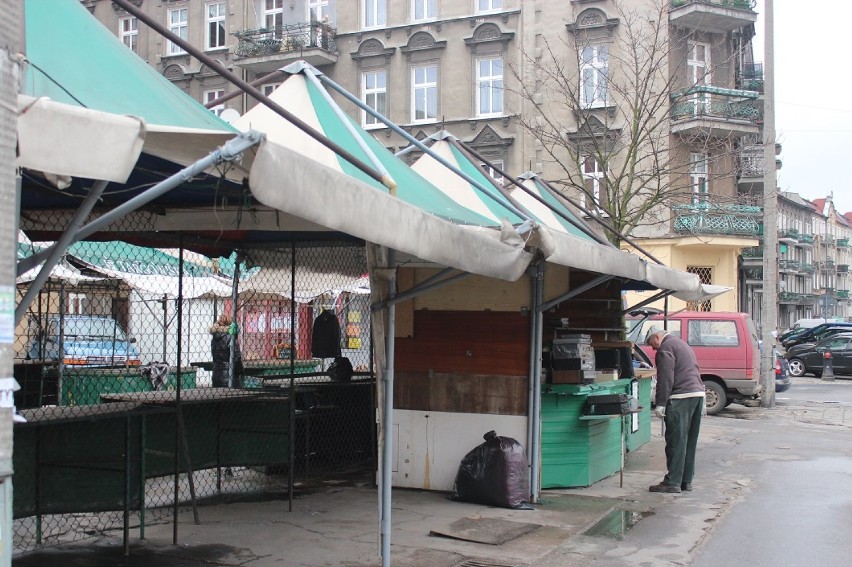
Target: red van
(725, 344)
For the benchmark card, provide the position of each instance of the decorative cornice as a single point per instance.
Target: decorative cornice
(372, 48)
(592, 19)
(489, 33)
(422, 41)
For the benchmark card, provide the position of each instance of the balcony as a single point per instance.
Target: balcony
(789, 235)
(751, 77)
(806, 240)
(267, 49)
(723, 219)
(807, 268)
(796, 298)
(842, 268)
(843, 243)
(719, 16)
(789, 266)
(826, 266)
(714, 111)
(842, 294)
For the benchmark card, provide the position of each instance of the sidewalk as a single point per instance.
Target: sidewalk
(338, 525)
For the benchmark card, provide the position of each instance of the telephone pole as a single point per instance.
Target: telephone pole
(770, 212)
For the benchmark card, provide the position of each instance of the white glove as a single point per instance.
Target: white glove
(660, 411)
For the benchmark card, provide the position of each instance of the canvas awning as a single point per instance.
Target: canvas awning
(295, 174)
(117, 84)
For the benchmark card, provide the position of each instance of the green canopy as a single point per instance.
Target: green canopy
(72, 58)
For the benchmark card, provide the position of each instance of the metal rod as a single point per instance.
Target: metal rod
(56, 251)
(575, 292)
(310, 74)
(581, 226)
(414, 141)
(606, 226)
(291, 434)
(235, 292)
(652, 299)
(535, 449)
(246, 87)
(229, 151)
(271, 77)
(419, 290)
(387, 418)
(179, 386)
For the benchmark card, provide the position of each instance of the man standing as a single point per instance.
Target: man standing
(680, 402)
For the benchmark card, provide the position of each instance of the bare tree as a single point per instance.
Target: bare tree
(601, 105)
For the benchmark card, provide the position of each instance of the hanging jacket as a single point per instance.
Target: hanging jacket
(220, 349)
(325, 339)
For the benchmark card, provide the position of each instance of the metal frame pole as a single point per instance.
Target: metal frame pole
(387, 418)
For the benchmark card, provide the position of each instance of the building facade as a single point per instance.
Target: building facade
(549, 86)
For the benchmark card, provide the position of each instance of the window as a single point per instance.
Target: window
(698, 177)
(128, 31)
(178, 25)
(594, 61)
(269, 88)
(273, 14)
(488, 5)
(489, 87)
(318, 10)
(705, 276)
(594, 179)
(493, 171)
(424, 94)
(698, 69)
(423, 10)
(712, 333)
(374, 13)
(215, 25)
(210, 96)
(374, 89)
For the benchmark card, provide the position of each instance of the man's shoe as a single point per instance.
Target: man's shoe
(686, 486)
(664, 487)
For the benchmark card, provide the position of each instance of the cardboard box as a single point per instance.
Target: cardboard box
(607, 375)
(573, 376)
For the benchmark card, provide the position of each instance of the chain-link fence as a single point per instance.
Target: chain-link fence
(154, 379)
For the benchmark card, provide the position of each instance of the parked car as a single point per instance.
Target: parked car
(725, 344)
(816, 334)
(802, 325)
(782, 372)
(808, 358)
(84, 340)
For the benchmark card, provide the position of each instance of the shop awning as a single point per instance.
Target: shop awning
(77, 63)
(293, 173)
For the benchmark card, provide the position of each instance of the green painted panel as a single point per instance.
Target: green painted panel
(578, 452)
(84, 386)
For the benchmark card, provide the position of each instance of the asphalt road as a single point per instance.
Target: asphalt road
(798, 506)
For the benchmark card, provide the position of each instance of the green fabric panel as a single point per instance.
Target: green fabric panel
(554, 203)
(74, 59)
(411, 188)
(130, 259)
(476, 173)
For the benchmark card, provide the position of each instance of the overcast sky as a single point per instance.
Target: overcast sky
(812, 118)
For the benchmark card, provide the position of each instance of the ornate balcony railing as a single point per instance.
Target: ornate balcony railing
(740, 4)
(807, 268)
(711, 217)
(842, 294)
(753, 273)
(752, 252)
(842, 242)
(714, 102)
(806, 238)
(826, 265)
(285, 39)
(791, 265)
(789, 234)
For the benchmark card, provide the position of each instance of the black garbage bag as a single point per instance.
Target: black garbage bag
(494, 473)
